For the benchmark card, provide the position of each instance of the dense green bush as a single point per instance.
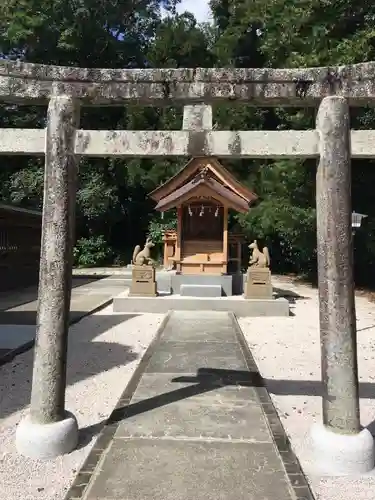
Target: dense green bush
(91, 252)
(157, 228)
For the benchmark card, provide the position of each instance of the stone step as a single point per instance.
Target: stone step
(238, 305)
(200, 290)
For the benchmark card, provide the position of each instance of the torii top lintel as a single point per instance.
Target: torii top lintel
(26, 83)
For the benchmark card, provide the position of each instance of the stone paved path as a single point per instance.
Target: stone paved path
(18, 311)
(194, 423)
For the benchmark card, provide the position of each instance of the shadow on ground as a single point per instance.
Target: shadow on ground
(86, 358)
(206, 380)
(311, 388)
(365, 328)
(29, 317)
(288, 294)
(19, 297)
(315, 388)
(93, 277)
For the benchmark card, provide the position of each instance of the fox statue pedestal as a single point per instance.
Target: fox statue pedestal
(258, 285)
(143, 282)
(143, 272)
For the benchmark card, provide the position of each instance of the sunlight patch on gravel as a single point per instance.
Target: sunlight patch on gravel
(104, 351)
(287, 351)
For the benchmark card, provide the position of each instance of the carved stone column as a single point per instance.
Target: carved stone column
(49, 430)
(340, 445)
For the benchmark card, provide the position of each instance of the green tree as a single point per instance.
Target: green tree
(89, 34)
(113, 210)
(279, 33)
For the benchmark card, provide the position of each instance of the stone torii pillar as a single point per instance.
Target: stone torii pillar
(49, 430)
(340, 445)
(197, 117)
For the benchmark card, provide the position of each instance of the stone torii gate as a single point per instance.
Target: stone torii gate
(49, 430)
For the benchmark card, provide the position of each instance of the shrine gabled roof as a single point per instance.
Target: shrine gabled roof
(203, 185)
(192, 167)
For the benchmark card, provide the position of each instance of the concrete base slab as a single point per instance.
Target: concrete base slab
(200, 290)
(341, 454)
(164, 303)
(231, 284)
(47, 441)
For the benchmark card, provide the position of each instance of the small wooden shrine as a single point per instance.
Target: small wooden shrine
(202, 192)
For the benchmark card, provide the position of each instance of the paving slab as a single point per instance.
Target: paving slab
(157, 384)
(199, 328)
(139, 469)
(241, 420)
(183, 357)
(194, 423)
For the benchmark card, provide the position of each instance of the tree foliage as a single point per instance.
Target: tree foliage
(113, 210)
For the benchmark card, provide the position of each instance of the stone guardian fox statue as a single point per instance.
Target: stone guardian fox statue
(259, 258)
(143, 257)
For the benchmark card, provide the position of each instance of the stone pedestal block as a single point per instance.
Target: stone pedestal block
(336, 454)
(258, 285)
(143, 282)
(47, 441)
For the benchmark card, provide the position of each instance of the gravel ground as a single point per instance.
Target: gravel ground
(104, 351)
(287, 351)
